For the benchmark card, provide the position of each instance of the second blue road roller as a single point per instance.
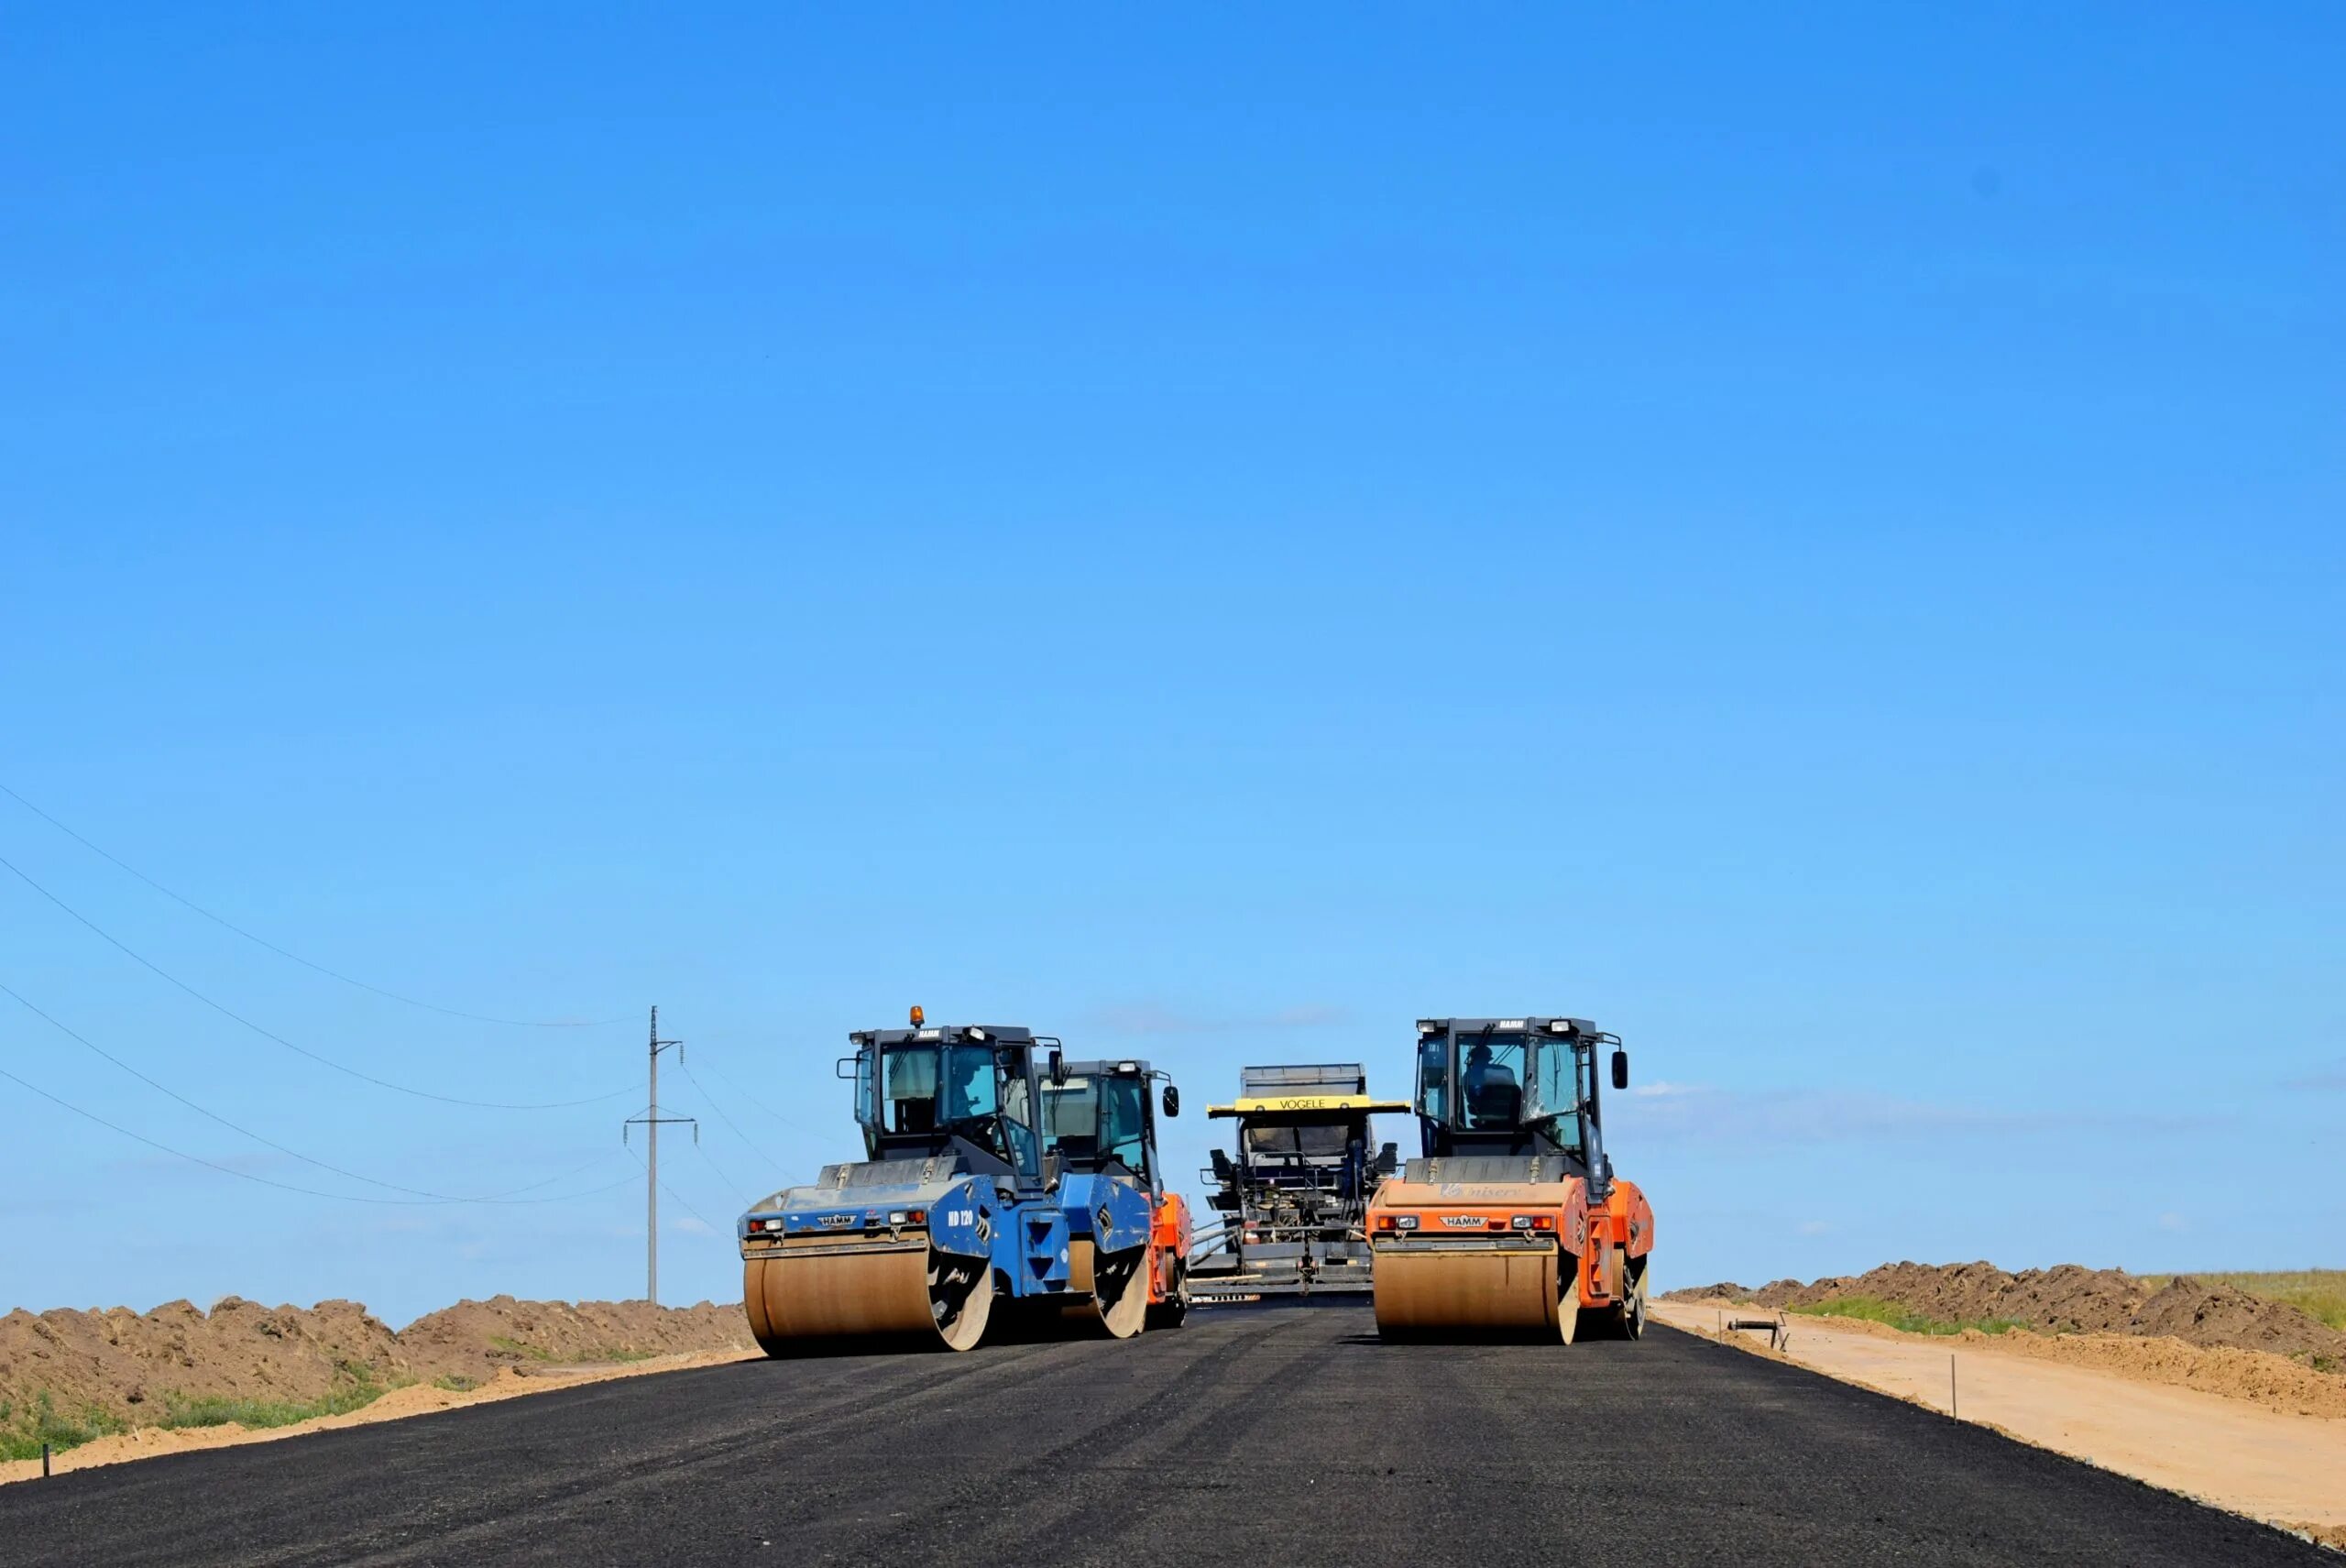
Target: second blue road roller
(956, 1210)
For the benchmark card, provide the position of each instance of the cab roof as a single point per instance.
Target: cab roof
(947, 1034)
(1528, 1025)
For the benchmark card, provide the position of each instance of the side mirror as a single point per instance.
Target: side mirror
(1388, 1158)
(843, 1068)
(1172, 1100)
(1058, 1065)
(1620, 1069)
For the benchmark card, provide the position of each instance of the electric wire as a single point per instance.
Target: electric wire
(718, 1069)
(722, 1174)
(267, 1181)
(265, 1142)
(728, 1121)
(671, 1191)
(236, 1017)
(225, 924)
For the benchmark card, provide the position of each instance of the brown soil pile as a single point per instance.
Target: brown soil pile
(1725, 1291)
(129, 1364)
(2067, 1299)
(474, 1339)
(134, 1366)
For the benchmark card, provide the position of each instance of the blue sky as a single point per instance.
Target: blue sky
(1812, 540)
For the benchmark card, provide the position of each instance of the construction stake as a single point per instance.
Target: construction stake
(44, 1462)
(1952, 1408)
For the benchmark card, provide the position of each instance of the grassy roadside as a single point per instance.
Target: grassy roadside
(2320, 1293)
(24, 1431)
(25, 1428)
(1874, 1310)
(540, 1353)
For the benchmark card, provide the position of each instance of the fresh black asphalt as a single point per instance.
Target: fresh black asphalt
(1271, 1435)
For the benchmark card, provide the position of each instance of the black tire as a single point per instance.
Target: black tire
(1172, 1312)
(1631, 1321)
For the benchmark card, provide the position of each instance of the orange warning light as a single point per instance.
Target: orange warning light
(917, 1019)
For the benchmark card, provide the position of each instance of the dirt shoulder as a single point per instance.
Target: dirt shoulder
(2067, 1299)
(413, 1399)
(2251, 1432)
(114, 1383)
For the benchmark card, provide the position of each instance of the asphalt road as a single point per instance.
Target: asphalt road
(1258, 1436)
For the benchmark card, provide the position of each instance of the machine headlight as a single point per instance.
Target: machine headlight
(1521, 1221)
(1406, 1221)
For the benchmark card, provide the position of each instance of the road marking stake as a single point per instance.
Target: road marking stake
(1952, 1408)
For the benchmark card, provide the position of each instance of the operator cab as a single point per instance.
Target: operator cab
(962, 1088)
(1098, 1113)
(1514, 1086)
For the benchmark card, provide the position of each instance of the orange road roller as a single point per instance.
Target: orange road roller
(1512, 1223)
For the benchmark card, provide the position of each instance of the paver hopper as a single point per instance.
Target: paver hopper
(957, 1206)
(1289, 1204)
(1513, 1222)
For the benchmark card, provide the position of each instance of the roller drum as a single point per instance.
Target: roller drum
(801, 1296)
(1111, 1293)
(1427, 1294)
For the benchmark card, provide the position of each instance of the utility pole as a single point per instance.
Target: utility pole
(652, 1120)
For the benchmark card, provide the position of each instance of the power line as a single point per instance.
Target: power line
(721, 1116)
(512, 1195)
(226, 924)
(745, 1094)
(264, 1181)
(228, 1013)
(90, 1045)
(671, 1191)
(722, 1174)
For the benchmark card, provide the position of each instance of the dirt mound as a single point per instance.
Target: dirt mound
(131, 1364)
(116, 1367)
(2067, 1299)
(475, 1339)
(2202, 1313)
(1725, 1291)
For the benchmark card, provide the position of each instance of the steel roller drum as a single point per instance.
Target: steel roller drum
(1116, 1297)
(907, 1290)
(1474, 1292)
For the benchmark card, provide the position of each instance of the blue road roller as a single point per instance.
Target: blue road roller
(957, 1211)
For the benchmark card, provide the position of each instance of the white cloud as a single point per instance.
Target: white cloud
(2173, 1223)
(1659, 1090)
(1813, 1227)
(691, 1226)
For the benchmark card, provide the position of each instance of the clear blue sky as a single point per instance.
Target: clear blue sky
(1814, 539)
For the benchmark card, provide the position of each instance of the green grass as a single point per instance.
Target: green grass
(1877, 1310)
(515, 1347)
(219, 1410)
(2320, 1293)
(538, 1353)
(22, 1433)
